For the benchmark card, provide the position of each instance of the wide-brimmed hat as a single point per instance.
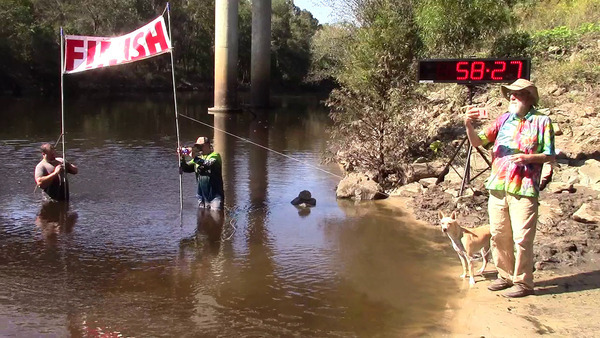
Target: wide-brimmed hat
(201, 141)
(521, 84)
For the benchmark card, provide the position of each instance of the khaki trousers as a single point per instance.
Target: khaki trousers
(513, 220)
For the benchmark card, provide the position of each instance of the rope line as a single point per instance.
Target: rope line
(261, 146)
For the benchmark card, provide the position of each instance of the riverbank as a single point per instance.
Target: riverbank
(566, 301)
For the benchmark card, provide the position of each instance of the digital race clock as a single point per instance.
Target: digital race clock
(472, 71)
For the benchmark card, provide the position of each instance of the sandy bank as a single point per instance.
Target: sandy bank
(566, 303)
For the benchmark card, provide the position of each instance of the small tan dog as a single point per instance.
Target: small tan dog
(466, 242)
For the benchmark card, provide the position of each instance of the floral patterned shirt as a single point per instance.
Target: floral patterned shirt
(509, 134)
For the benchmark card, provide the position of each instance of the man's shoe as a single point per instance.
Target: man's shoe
(517, 291)
(499, 284)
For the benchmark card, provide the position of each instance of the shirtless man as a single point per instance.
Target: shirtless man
(49, 174)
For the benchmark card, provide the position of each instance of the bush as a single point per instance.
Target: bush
(515, 44)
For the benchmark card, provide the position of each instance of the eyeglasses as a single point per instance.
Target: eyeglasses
(520, 93)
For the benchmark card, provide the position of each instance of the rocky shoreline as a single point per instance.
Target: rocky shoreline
(568, 232)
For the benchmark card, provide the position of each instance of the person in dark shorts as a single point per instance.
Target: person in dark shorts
(50, 174)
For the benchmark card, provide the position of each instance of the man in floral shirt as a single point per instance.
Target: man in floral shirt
(523, 140)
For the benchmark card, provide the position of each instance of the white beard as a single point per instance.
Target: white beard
(515, 108)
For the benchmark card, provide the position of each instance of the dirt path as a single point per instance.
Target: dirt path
(566, 304)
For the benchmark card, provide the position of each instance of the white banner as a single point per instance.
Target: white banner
(88, 52)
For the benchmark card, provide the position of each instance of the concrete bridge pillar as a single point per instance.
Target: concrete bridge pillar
(260, 72)
(226, 55)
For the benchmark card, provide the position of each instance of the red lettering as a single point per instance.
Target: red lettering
(103, 47)
(159, 38)
(71, 55)
(138, 47)
(91, 53)
(127, 43)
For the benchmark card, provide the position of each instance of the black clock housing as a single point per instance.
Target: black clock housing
(473, 71)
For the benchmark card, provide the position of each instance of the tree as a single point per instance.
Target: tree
(373, 128)
(457, 28)
(291, 32)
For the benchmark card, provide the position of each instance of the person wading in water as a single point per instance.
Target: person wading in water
(206, 163)
(49, 174)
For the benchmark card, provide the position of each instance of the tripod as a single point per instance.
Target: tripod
(466, 177)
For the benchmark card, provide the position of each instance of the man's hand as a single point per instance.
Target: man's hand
(57, 169)
(470, 115)
(520, 159)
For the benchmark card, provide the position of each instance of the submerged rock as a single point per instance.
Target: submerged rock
(304, 199)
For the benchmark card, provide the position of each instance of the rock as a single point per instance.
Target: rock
(425, 170)
(588, 213)
(359, 187)
(304, 200)
(426, 182)
(549, 212)
(559, 187)
(552, 88)
(410, 189)
(559, 91)
(589, 174)
(557, 130)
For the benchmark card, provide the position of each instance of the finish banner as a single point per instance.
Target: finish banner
(88, 52)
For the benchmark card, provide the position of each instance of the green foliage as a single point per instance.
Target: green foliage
(382, 55)
(435, 146)
(535, 15)
(456, 28)
(329, 49)
(559, 36)
(291, 32)
(369, 135)
(561, 40)
(372, 129)
(512, 44)
(29, 41)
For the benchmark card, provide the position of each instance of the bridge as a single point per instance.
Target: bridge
(226, 55)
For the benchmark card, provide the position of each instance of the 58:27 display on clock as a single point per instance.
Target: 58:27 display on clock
(472, 71)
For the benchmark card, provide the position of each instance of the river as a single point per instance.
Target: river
(121, 258)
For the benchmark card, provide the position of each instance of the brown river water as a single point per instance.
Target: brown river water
(121, 259)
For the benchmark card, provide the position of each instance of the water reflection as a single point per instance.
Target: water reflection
(303, 211)
(210, 223)
(338, 269)
(55, 218)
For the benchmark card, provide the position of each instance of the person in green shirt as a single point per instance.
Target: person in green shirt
(207, 165)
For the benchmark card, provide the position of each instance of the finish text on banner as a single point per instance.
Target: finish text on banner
(88, 52)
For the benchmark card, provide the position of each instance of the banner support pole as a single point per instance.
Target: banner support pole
(176, 113)
(62, 113)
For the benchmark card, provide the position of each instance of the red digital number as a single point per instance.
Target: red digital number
(498, 70)
(465, 72)
(477, 70)
(520, 63)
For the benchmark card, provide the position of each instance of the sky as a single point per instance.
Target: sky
(318, 10)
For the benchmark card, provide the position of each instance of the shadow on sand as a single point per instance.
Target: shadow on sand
(573, 283)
